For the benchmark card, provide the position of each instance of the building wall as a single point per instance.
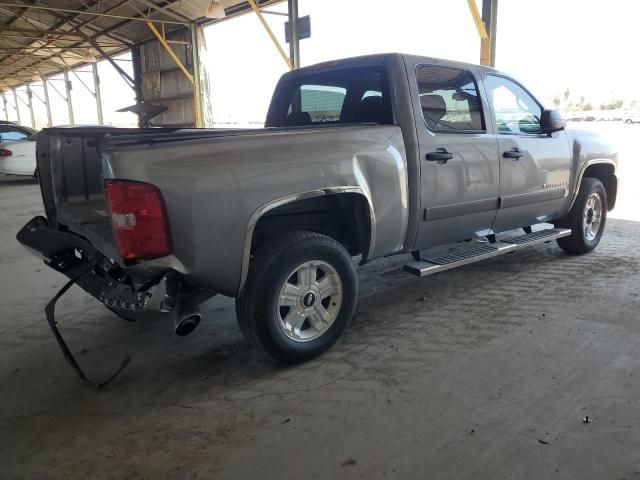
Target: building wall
(165, 84)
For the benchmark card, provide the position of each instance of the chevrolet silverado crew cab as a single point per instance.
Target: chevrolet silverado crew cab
(360, 159)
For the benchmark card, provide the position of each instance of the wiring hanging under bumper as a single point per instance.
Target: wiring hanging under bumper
(50, 314)
(165, 294)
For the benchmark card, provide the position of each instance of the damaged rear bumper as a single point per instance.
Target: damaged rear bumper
(162, 293)
(154, 293)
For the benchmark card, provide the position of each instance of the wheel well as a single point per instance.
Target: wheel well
(344, 217)
(605, 173)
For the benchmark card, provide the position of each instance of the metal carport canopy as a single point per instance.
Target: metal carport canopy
(49, 36)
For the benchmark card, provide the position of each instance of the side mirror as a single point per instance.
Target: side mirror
(551, 121)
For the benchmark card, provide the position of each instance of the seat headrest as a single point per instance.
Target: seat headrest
(370, 110)
(298, 119)
(433, 108)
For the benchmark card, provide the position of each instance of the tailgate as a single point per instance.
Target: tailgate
(71, 181)
(70, 173)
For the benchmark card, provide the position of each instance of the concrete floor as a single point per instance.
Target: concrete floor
(482, 372)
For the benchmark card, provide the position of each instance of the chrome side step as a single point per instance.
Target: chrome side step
(467, 254)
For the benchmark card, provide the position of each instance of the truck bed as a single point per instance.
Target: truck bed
(71, 169)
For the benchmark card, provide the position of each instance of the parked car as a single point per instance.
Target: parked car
(17, 149)
(361, 158)
(18, 157)
(632, 117)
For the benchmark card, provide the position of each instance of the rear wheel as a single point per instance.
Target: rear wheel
(586, 218)
(300, 296)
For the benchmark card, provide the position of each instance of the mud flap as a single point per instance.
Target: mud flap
(50, 314)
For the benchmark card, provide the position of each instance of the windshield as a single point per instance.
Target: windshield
(352, 95)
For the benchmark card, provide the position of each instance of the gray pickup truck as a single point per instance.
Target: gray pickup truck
(360, 158)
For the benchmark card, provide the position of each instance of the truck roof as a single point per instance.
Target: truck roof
(378, 59)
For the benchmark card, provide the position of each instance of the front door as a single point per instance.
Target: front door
(535, 168)
(459, 159)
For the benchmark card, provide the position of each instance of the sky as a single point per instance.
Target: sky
(586, 46)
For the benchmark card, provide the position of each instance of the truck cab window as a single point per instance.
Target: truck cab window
(337, 97)
(449, 99)
(322, 103)
(514, 110)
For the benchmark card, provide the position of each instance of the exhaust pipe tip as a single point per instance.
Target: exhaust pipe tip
(187, 324)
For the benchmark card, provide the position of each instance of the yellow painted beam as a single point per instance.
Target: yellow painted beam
(285, 57)
(477, 19)
(485, 52)
(171, 52)
(485, 42)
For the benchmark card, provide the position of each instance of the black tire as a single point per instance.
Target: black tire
(578, 242)
(257, 306)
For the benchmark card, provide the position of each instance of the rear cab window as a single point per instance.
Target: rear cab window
(323, 103)
(449, 100)
(341, 96)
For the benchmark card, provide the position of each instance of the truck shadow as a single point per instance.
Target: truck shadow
(216, 361)
(403, 326)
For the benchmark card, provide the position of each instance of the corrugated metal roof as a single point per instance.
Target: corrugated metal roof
(47, 36)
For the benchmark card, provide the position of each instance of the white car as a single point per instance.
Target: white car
(17, 150)
(632, 117)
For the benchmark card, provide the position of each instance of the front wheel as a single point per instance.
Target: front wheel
(586, 219)
(300, 296)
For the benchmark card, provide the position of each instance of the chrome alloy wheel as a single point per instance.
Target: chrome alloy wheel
(592, 217)
(309, 301)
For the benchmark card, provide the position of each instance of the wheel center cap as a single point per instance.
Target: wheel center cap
(309, 299)
(590, 216)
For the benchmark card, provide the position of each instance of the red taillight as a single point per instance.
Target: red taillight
(138, 219)
(5, 153)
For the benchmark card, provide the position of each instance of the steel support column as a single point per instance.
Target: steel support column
(67, 87)
(490, 19)
(41, 100)
(15, 102)
(137, 78)
(197, 77)
(4, 106)
(96, 92)
(47, 103)
(30, 105)
(137, 73)
(294, 39)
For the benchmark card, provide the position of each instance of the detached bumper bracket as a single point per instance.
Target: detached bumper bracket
(50, 314)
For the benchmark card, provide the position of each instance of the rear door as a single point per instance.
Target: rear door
(458, 155)
(535, 168)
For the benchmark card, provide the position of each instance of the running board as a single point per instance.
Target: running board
(476, 252)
